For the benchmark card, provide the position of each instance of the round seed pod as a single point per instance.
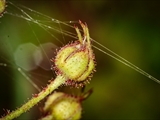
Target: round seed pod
(76, 60)
(61, 106)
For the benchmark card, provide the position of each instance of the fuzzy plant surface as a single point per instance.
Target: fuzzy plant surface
(74, 65)
(62, 106)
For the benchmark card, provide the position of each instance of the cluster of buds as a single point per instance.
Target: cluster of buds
(76, 60)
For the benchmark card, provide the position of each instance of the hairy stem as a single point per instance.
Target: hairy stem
(59, 80)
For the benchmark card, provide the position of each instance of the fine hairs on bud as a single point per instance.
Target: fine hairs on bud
(76, 61)
(74, 65)
(62, 106)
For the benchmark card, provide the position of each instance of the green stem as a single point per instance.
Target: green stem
(35, 99)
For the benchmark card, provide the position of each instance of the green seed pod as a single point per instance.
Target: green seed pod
(76, 60)
(2, 6)
(60, 106)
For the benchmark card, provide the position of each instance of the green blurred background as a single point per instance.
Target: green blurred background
(130, 28)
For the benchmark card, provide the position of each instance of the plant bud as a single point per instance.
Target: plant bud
(60, 106)
(76, 60)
